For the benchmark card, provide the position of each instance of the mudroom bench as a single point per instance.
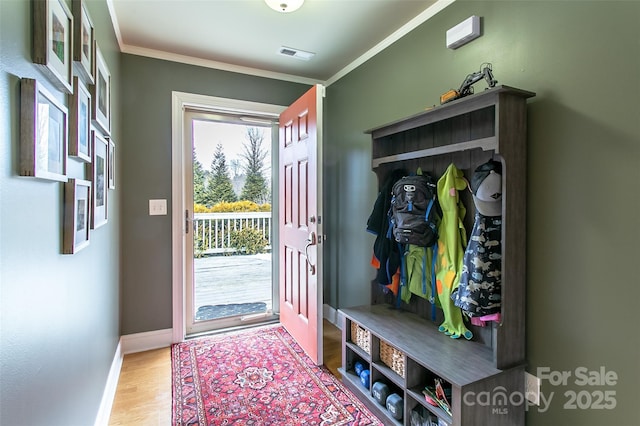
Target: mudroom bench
(401, 347)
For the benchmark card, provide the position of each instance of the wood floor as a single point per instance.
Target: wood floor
(143, 396)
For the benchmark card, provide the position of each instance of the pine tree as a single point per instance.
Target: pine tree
(255, 186)
(220, 187)
(199, 180)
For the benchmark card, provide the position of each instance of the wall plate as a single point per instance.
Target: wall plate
(157, 207)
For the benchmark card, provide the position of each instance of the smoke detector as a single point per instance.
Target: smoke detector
(296, 53)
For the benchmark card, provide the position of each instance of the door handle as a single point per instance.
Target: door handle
(311, 241)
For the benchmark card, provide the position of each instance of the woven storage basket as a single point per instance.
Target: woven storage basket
(392, 357)
(361, 337)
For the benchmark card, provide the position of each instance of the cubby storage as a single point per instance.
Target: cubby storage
(465, 366)
(361, 337)
(393, 358)
(485, 376)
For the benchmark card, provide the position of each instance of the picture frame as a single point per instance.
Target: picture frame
(83, 41)
(77, 208)
(53, 41)
(43, 133)
(80, 122)
(98, 167)
(112, 164)
(101, 94)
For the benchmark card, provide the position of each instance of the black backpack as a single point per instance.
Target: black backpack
(413, 211)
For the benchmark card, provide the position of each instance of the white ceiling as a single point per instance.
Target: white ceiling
(246, 35)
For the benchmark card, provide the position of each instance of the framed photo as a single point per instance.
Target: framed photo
(77, 206)
(43, 133)
(52, 41)
(80, 121)
(112, 164)
(83, 41)
(101, 94)
(99, 178)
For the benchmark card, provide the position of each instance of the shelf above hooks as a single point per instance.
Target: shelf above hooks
(486, 144)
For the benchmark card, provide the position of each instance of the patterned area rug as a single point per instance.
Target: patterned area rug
(257, 377)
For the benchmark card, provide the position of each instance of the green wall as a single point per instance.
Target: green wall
(146, 170)
(59, 314)
(583, 61)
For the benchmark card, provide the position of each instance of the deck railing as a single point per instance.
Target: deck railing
(212, 231)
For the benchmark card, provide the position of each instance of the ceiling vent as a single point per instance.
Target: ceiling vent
(296, 53)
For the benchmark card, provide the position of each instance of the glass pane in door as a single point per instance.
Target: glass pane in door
(232, 225)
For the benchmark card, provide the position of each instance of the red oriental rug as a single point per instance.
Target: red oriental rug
(257, 377)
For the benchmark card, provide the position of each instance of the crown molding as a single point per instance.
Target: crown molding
(432, 10)
(190, 60)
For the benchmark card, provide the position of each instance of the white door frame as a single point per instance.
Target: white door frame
(180, 101)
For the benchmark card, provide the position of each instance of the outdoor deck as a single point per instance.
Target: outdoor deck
(235, 279)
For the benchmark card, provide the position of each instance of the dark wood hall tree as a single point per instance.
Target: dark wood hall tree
(467, 132)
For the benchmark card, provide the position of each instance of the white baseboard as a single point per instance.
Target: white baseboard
(332, 315)
(104, 412)
(128, 344)
(340, 320)
(139, 342)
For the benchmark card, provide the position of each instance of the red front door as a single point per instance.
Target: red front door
(300, 222)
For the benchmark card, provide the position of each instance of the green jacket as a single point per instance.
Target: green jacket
(452, 240)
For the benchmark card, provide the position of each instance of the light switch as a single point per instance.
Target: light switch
(157, 207)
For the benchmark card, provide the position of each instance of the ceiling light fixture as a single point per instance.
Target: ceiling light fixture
(284, 6)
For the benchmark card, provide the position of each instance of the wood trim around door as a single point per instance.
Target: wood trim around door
(180, 101)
